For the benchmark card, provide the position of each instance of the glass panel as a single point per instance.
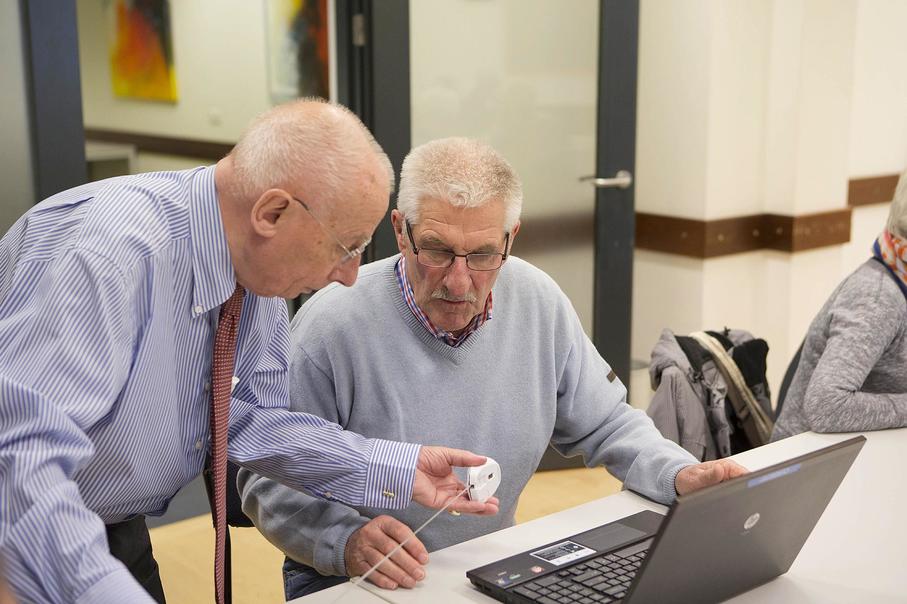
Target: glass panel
(521, 75)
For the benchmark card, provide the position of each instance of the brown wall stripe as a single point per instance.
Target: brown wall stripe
(875, 189)
(713, 238)
(695, 238)
(669, 234)
(162, 144)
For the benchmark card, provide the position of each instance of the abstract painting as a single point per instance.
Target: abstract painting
(141, 50)
(298, 59)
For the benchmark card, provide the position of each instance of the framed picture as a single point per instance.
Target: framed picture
(299, 35)
(141, 49)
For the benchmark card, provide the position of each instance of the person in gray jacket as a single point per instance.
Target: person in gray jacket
(412, 352)
(852, 374)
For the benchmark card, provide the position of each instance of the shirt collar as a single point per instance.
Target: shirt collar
(447, 337)
(214, 279)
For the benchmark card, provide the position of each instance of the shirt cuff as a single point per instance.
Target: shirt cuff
(118, 586)
(391, 473)
(669, 488)
(339, 558)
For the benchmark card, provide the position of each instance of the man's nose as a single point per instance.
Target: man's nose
(457, 278)
(347, 272)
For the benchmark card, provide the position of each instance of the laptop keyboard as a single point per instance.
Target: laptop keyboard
(605, 578)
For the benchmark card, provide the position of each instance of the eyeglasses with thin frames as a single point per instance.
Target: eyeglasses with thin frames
(445, 258)
(350, 254)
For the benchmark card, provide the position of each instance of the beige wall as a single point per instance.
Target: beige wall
(878, 123)
(17, 191)
(786, 100)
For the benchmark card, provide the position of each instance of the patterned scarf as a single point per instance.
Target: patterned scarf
(892, 252)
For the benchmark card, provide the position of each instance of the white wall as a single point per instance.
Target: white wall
(738, 35)
(17, 191)
(672, 109)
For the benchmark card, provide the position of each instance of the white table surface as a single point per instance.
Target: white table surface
(857, 552)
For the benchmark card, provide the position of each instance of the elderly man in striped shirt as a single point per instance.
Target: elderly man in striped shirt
(112, 298)
(412, 351)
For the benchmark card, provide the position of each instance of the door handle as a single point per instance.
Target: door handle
(621, 180)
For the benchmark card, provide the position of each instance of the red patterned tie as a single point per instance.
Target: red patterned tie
(221, 385)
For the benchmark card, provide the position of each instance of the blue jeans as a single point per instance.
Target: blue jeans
(301, 580)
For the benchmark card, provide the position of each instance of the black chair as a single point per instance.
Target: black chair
(785, 383)
(235, 515)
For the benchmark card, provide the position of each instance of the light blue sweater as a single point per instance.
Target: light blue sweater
(528, 377)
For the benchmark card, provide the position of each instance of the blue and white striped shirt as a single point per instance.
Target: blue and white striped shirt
(109, 295)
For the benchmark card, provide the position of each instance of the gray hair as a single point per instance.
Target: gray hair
(324, 141)
(464, 172)
(897, 216)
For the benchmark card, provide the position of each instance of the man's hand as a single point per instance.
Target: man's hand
(436, 484)
(370, 543)
(693, 478)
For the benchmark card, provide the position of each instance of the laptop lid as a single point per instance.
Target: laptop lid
(726, 539)
(713, 544)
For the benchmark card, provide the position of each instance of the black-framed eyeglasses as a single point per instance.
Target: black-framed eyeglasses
(445, 258)
(350, 254)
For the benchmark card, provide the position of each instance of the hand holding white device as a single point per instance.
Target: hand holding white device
(482, 481)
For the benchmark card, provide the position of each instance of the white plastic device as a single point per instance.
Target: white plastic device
(482, 481)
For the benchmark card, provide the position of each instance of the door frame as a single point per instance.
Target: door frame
(50, 41)
(615, 213)
(373, 81)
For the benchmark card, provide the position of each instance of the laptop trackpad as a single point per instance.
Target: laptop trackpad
(610, 536)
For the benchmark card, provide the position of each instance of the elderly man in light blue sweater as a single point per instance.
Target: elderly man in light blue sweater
(453, 341)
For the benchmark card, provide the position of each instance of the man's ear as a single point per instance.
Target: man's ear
(397, 220)
(513, 232)
(268, 212)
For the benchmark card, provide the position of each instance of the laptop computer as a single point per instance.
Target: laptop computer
(713, 543)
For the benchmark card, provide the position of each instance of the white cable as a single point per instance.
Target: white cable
(356, 581)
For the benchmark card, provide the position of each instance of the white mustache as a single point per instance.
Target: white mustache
(443, 294)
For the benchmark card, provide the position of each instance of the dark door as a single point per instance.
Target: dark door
(553, 87)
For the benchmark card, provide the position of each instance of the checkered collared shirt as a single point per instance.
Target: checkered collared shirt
(445, 336)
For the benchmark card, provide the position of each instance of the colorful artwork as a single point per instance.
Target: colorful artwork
(141, 51)
(298, 53)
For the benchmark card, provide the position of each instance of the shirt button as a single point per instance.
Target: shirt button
(327, 495)
(198, 310)
(207, 386)
(198, 445)
(388, 494)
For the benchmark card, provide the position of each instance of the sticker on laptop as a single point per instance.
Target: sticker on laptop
(755, 482)
(562, 553)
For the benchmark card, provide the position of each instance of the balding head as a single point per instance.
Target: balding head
(310, 142)
(305, 185)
